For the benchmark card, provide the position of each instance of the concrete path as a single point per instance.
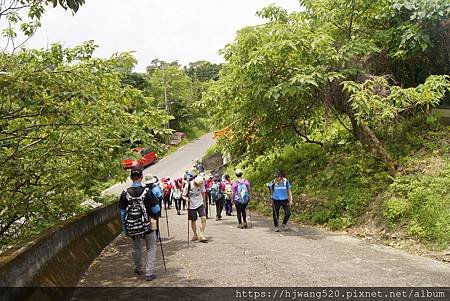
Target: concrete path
(173, 165)
(304, 256)
(259, 256)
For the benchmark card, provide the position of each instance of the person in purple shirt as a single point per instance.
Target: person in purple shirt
(240, 198)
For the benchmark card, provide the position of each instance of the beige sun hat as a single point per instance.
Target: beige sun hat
(198, 180)
(150, 179)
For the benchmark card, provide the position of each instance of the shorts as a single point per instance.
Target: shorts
(192, 213)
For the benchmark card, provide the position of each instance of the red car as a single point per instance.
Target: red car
(147, 157)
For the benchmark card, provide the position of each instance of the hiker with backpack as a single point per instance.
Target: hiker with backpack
(281, 192)
(152, 182)
(195, 194)
(139, 212)
(167, 192)
(208, 185)
(177, 193)
(241, 197)
(217, 195)
(227, 184)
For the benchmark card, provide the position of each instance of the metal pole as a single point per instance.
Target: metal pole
(160, 244)
(188, 224)
(167, 218)
(166, 102)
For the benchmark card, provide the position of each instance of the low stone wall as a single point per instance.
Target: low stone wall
(213, 161)
(58, 256)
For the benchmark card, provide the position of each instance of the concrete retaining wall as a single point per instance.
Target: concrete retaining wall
(58, 256)
(213, 161)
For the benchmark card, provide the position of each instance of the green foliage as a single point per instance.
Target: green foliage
(24, 16)
(336, 188)
(203, 71)
(171, 82)
(376, 100)
(282, 78)
(394, 209)
(425, 200)
(65, 118)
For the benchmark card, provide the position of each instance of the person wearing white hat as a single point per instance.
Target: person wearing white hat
(195, 194)
(151, 182)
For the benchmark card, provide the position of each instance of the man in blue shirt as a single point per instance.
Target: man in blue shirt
(280, 189)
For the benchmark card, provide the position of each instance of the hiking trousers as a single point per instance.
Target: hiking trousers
(219, 207)
(150, 245)
(276, 211)
(178, 204)
(228, 207)
(241, 213)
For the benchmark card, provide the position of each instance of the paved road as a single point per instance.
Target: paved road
(304, 256)
(173, 165)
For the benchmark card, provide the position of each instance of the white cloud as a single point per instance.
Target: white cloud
(183, 30)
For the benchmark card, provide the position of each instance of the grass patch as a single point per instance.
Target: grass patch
(336, 188)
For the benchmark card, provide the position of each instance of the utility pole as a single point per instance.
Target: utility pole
(166, 103)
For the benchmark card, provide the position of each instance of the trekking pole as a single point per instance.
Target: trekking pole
(167, 218)
(188, 225)
(160, 244)
(275, 213)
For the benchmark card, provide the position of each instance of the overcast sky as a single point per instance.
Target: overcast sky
(183, 30)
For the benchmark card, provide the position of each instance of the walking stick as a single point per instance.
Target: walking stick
(188, 226)
(250, 216)
(167, 218)
(160, 244)
(275, 213)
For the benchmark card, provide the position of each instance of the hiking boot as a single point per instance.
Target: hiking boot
(150, 277)
(138, 272)
(240, 226)
(277, 229)
(179, 213)
(245, 225)
(284, 227)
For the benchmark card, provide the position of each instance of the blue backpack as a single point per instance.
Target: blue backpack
(242, 193)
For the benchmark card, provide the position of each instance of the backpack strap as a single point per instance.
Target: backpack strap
(141, 197)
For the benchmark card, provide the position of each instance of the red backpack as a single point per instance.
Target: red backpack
(167, 188)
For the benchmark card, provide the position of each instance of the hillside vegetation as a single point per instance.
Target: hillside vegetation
(346, 188)
(340, 96)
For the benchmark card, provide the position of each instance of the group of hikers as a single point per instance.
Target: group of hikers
(141, 205)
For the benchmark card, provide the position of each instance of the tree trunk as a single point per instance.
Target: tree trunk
(371, 143)
(334, 97)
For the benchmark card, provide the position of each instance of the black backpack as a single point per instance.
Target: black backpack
(137, 221)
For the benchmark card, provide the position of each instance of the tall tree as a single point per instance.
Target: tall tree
(203, 70)
(280, 77)
(172, 90)
(64, 117)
